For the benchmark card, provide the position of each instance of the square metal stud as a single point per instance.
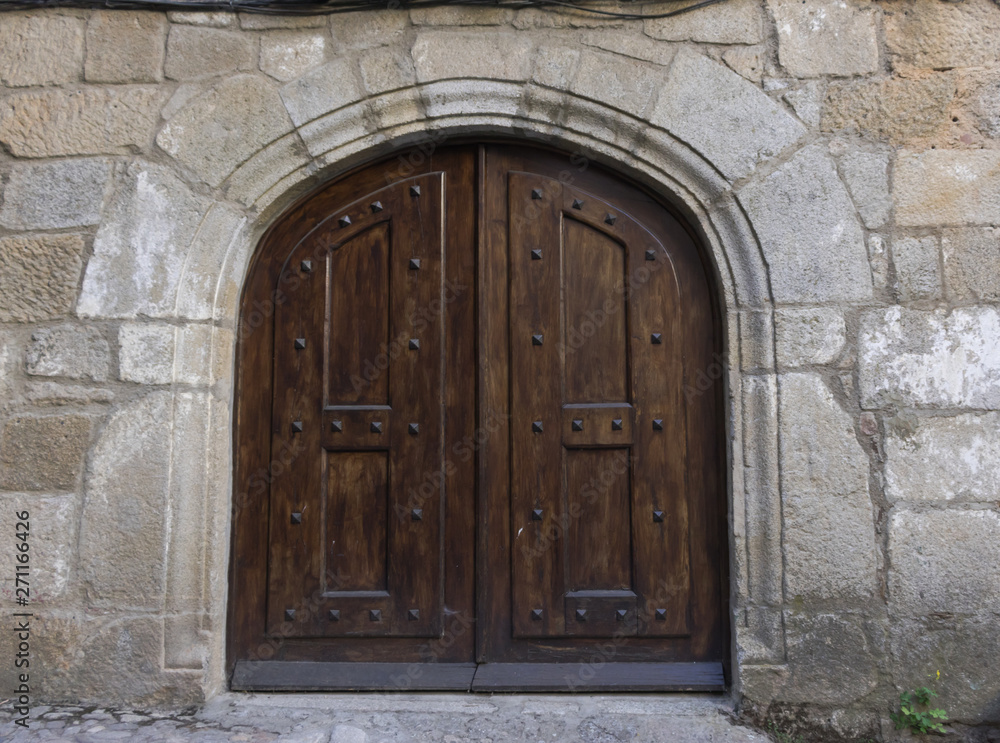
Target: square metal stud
(536, 340)
(297, 517)
(333, 615)
(376, 427)
(657, 424)
(376, 207)
(536, 427)
(577, 425)
(536, 615)
(299, 344)
(650, 255)
(337, 426)
(610, 219)
(616, 424)
(656, 339)
(414, 264)
(536, 255)
(289, 615)
(414, 191)
(536, 514)
(658, 517)
(375, 615)
(661, 615)
(620, 614)
(306, 266)
(344, 221)
(581, 615)
(413, 429)
(536, 193)
(414, 344)
(417, 514)
(413, 615)
(577, 204)
(296, 426)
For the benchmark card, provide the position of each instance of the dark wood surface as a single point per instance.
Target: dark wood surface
(586, 677)
(542, 281)
(310, 676)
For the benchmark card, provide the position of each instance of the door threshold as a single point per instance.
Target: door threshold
(487, 677)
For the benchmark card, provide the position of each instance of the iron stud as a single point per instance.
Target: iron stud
(344, 221)
(536, 255)
(657, 424)
(375, 615)
(376, 427)
(337, 426)
(306, 266)
(296, 426)
(417, 514)
(581, 615)
(536, 193)
(334, 615)
(376, 207)
(536, 340)
(413, 615)
(414, 191)
(414, 429)
(536, 427)
(578, 425)
(414, 344)
(610, 219)
(658, 517)
(297, 517)
(299, 344)
(620, 614)
(414, 264)
(656, 339)
(577, 204)
(650, 255)
(536, 615)
(616, 424)
(289, 615)
(661, 615)
(536, 514)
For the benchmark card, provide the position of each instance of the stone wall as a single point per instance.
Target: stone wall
(840, 159)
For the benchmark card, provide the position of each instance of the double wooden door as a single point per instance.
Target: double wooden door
(477, 440)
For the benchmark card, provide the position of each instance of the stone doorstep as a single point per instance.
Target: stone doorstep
(374, 718)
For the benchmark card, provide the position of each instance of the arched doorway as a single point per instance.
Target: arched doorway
(471, 430)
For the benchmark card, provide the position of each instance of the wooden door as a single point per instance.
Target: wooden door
(483, 366)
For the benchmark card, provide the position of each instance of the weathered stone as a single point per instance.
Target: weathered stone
(218, 131)
(444, 15)
(628, 44)
(125, 46)
(263, 171)
(733, 123)
(808, 231)
(809, 336)
(39, 276)
(622, 83)
(263, 21)
(52, 540)
(830, 37)
(878, 257)
(916, 260)
(555, 66)
(898, 110)
(930, 359)
(829, 533)
(807, 101)
(218, 19)
(831, 658)
(55, 393)
(43, 453)
(867, 178)
(68, 193)
(68, 351)
(194, 52)
(986, 107)
(439, 55)
(284, 55)
(736, 22)
(383, 70)
(146, 353)
(140, 247)
(91, 121)
(370, 28)
(122, 529)
(27, 42)
(199, 289)
(944, 35)
(944, 562)
(747, 62)
(947, 187)
(326, 89)
(972, 263)
(930, 459)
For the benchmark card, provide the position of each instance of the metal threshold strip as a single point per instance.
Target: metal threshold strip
(487, 677)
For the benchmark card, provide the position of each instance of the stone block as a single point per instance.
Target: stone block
(555, 66)
(140, 248)
(444, 15)
(629, 44)
(730, 121)
(878, 257)
(807, 101)
(943, 35)
(934, 359)
(284, 55)
(257, 175)
(735, 22)
(123, 525)
(196, 52)
(44, 453)
(944, 562)
(370, 28)
(439, 55)
(897, 110)
(940, 459)
(867, 177)
(619, 82)
(68, 351)
(986, 105)
(199, 288)
(55, 393)
(26, 44)
(829, 37)
(216, 19)
(91, 121)
(55, 195)
(262, 21)
(747, 62)
(950, 187)
(146, 353)
(972, 263)
(383, 70)
(809, 232)
(829, 532)
(52, 541)
(326, 89)
(917, 261)
(809, 336)
(125, 46)
(832, 658)
(221, 129)
(39, 276)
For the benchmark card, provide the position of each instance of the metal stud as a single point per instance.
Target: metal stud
(413, 429)
(417, 514)
(333, 615)
(536, 427)
(376, 207)
(296, 426)
(289, 615)
(413, 615)
(536, 340)
(658, 517)
(577, 204)
(306, 266)
(661, 615)
(299, 344)
(656, 339)
(375, 615)
(616, 424)
(657, 424)
(620, 614)
(344, 221)
(337, 426)
(297, 517)
(650, 255)
(414, 264)
(414, 191)
(578, 425)
(376, 427)
(536, 514)
(414, 344)
(610, 219)
(581, 615)
(536, 255)
(536, 193)
(536, 615)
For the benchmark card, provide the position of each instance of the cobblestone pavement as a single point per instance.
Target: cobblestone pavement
(396, 718)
